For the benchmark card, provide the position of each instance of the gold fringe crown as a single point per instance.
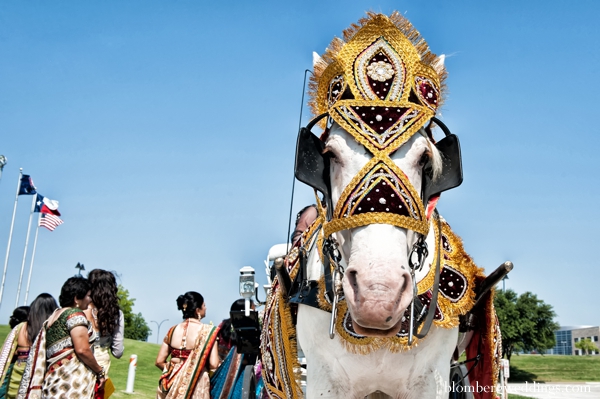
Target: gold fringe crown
(381, 61)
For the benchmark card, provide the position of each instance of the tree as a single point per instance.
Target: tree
(586, 346)
(135, 325)
(526, 322)
(138, 329)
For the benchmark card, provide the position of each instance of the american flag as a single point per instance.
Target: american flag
(50, 221)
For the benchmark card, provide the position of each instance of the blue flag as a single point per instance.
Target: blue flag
(26, 187)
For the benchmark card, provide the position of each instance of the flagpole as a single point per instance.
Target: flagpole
(12, 224)
(33, 201)
(37, 229)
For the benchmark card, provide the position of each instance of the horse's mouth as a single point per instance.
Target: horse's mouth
(373, 332)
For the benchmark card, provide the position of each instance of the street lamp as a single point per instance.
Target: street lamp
(158, 328)
(80, 267)
(503, 283)
(564, 347)
(247, 286)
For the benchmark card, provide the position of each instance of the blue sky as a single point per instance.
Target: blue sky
(167, 130)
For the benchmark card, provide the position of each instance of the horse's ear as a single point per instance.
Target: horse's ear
(438, 65)
(316, 58)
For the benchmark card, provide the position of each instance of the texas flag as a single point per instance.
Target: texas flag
(46, 205)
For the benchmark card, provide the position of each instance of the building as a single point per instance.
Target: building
(567, 336)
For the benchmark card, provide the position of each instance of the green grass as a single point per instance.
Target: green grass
(553, 368)
(147, 374)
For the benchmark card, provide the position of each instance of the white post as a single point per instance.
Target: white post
(33, 201)
(505, 374)
(12, 224)
(37, 230)
(131, 375)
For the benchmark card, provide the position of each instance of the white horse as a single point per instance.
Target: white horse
(380, 87)
(378, 289)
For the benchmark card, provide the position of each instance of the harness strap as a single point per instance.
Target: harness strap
(327, 271)
(436, 285)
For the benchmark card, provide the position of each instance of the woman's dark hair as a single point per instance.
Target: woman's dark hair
(104, 296)
(19, 316)
(188, 303)
(74, 287)
(227, 335)
(41, 308)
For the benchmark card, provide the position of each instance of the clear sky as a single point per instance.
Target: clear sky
(166, 129)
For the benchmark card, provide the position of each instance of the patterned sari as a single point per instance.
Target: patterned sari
(189, 378)
(53, 369)
(12, 364)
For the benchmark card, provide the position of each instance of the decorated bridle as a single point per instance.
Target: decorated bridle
(382, 85)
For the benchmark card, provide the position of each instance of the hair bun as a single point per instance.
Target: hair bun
(181, 302)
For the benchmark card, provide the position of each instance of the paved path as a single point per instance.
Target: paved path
(587, 390)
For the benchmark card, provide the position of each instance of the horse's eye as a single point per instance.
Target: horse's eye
(329, 153)
(425, 158)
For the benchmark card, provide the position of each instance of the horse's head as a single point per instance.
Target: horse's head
(377, 282)
(380, 87)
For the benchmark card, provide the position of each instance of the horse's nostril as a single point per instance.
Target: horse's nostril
(352, 277)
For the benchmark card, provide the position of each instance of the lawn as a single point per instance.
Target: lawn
(554, 368)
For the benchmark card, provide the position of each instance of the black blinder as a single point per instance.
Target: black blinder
(312, 166)
(452, 175)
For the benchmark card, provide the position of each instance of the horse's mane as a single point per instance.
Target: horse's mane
(436, 157)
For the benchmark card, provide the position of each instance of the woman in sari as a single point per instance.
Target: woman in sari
(185, 375)
(61, 362)
(16, 347)
(106, 318)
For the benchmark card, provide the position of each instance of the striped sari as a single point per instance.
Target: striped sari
(189, 379)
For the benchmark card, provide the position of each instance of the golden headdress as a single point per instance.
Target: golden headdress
(382, 62)
(381, 83)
